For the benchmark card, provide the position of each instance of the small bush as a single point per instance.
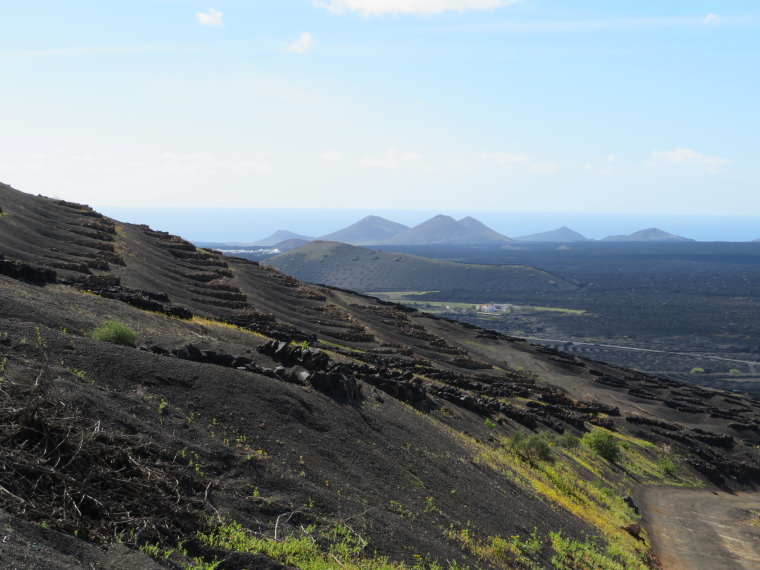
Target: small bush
(697, 370)
(734, 371)
(568, 440)
(667, 466)
(532, 448)
(604, 443)
(115, 332)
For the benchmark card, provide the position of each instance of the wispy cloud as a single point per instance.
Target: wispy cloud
(213, 18)
(391, 160)
(380, 7)
(688, 157)
(303, 44)
(712, 19)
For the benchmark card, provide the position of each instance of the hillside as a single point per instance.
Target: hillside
(562, 234)
(367, 231)
(651, 234)
(260, 421)
(445, 230)
(362, 269)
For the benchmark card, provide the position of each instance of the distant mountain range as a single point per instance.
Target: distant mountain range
(562, 234)
(445, 230)
(439, 230)
(651, 234)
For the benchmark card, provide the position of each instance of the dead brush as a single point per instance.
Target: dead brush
(59, 468)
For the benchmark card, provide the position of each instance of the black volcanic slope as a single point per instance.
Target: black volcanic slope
(330, 426)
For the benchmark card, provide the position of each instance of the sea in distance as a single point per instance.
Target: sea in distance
(251, 224)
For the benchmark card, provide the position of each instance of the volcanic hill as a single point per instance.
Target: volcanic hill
(363, 269)
(563, 234)
(259, 422)
(651, 234)
(367, 231)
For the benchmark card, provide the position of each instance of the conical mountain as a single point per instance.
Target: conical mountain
(367, 231)
(563, 234)
(277, 237)
(651, 234)
(445, 230)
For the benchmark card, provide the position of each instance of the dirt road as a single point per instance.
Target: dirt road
(696, 529)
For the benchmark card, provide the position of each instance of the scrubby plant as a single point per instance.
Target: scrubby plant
(697, 370)
(533, 448)
(604, 443)
(115, 332)
(667, 466)
(566, 440)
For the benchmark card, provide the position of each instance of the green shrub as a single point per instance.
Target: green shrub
(115, 332)
(697, 370)
(568, 440)
(734, 371)
(604, 443)
(532, 448)
(667, 466)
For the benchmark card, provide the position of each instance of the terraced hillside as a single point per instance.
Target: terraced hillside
(262, 422)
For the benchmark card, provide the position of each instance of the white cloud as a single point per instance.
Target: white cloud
(380, 7)
(213, 18)
(712, 19)
(331, 155)
(688, 157)
(303, 44)
(391, 160)
(609, 158)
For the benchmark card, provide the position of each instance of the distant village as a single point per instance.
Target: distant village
(496, 308)
(488, 308)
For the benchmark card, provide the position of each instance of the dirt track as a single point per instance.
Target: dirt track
(695, 529)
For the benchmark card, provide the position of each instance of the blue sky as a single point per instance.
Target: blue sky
(448, 105)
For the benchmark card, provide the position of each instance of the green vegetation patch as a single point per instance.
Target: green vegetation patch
(115, 332)
(344, 549)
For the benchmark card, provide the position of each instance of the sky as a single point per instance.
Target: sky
(586, 106)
